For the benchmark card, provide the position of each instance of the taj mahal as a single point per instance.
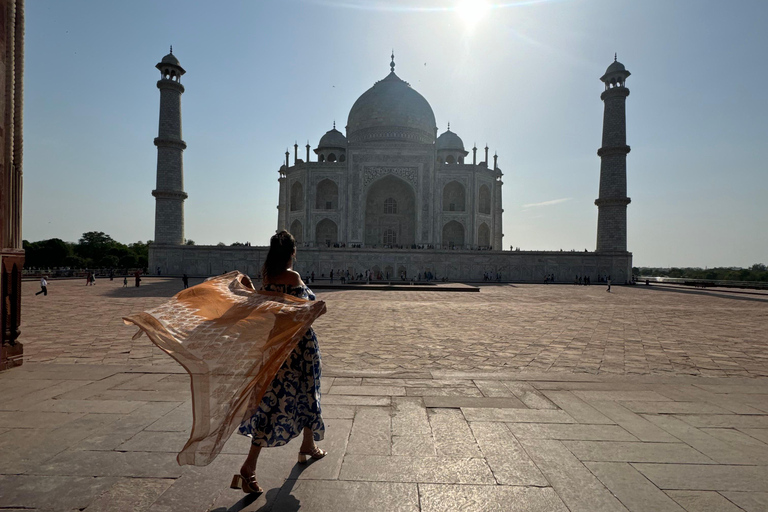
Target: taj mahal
(392, 197)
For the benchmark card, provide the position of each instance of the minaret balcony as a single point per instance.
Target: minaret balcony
(613, 150)
(613, 201)
(170, 194)
(170, 143)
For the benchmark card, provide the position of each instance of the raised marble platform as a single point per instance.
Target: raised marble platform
(455, 265)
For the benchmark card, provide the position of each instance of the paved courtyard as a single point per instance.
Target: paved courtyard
(520, 397)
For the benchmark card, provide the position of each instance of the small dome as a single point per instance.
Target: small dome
(333, 139)
(615, 67)
(449, 140)
(391, 111)
(615, 71)
(170, 59)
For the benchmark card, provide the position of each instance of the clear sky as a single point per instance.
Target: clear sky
(522, 76)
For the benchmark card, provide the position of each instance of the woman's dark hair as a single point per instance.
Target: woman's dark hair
(281, 247)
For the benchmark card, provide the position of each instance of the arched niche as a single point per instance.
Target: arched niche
(453, 234)
(484, 235)
(454, 197)
(327, 195)
(402, 221)
(297, 196)
(326, 232)
(297, 231)
(484, 201)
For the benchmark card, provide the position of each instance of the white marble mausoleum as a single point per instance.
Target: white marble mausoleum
(390, 196)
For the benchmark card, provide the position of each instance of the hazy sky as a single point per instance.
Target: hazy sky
(524, 78)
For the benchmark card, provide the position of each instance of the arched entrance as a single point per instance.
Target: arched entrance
(297, 196)
(484, 203)
(297, 231)
(454, 197)
(327, 195)
(453, 234)
(390, 213)
(484, 235)
(326, 233)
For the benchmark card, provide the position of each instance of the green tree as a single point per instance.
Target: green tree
(109, 261)
(129, 261)
(94, 245)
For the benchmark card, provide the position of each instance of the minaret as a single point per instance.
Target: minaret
(612, 202)
(169, 194)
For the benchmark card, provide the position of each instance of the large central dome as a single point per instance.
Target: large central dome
(391, 111)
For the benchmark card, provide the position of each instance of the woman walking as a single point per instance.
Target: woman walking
(291, 405)
(252, 358)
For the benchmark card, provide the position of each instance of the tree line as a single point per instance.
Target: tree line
(757, 272)
(95, 249)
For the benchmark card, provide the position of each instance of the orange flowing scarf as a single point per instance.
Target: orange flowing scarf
(232, 340)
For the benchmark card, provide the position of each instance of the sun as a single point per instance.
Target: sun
(472, 11)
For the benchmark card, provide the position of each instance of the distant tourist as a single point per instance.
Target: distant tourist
(609, 284)
(43, 286)
(185, 280)
(125, 281)
(331, 276)
(137, 277)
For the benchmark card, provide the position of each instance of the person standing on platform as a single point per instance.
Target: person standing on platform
(609, 284)
(185, 280)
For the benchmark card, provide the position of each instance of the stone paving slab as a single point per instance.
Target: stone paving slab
(703, 501)
(706, 477)
(440, 498)
(632, 489)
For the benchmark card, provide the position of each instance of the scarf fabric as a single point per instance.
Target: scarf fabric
(232, 340)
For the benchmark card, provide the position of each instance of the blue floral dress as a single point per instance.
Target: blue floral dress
(292, 402)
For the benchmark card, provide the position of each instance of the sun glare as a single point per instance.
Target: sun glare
(472, 11)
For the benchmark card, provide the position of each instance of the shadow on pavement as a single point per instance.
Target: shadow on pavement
(150, 288)
(287, 503)
(704, 292)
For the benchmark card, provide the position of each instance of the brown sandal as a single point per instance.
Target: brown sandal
(316, 454)
(248, 485)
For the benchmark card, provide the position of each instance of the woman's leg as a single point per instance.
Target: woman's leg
(308, 444)
(249, 466)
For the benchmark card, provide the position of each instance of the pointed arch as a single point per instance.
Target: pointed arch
(454, 197)
(390, 204)
(326, 232)
(327, 195)
(453, 234)
(297, 230)
(484, 202)
(297, 196)
(484, 235)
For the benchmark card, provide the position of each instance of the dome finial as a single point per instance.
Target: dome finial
(449, 126)
(615, 56)
(171, 49)
(392, 64)
(334, 124)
